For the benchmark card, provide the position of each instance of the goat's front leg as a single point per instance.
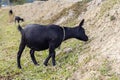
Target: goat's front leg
(51, 54)
(33, 57)
(47, 59)
(53, 58)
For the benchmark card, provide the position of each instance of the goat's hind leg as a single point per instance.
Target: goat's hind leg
(33, 57)
(21, 48)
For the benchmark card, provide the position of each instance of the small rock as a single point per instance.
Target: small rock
(67, 50)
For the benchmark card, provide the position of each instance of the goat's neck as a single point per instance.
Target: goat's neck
(69, 33)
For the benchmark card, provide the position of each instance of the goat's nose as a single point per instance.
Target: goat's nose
(86, 39)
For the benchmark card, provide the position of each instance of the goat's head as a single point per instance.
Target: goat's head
(22, 19)
(81, 32)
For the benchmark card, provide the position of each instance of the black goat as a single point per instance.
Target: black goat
(40, 37)
(18, 19)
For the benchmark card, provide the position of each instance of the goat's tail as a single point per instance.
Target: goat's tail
(20, 29)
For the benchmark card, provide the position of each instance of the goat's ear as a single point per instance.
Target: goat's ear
(81, 23)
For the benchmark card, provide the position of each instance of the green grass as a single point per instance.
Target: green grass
(106, 71)
(105, 68)
(107, 5)
(114, 77)
(67, 63)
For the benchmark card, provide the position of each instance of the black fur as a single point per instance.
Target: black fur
(18, 19)
(40, 37)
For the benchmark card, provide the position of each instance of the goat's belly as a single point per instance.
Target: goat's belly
(38, 47)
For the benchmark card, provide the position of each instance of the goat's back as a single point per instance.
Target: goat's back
(38, 36)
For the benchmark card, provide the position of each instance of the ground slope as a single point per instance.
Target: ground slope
(98, 59)
(101, 56)
(67, 56)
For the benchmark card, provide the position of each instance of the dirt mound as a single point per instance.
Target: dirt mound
(101, 56)
(42, 9)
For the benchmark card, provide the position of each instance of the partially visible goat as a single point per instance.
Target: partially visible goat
(10, 12)
(11, 15)
(18, 19)
(40, 37)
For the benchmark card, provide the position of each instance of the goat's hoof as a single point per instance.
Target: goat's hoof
(45, 64)
(54, 64)
(37, 64)
(19, 67)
